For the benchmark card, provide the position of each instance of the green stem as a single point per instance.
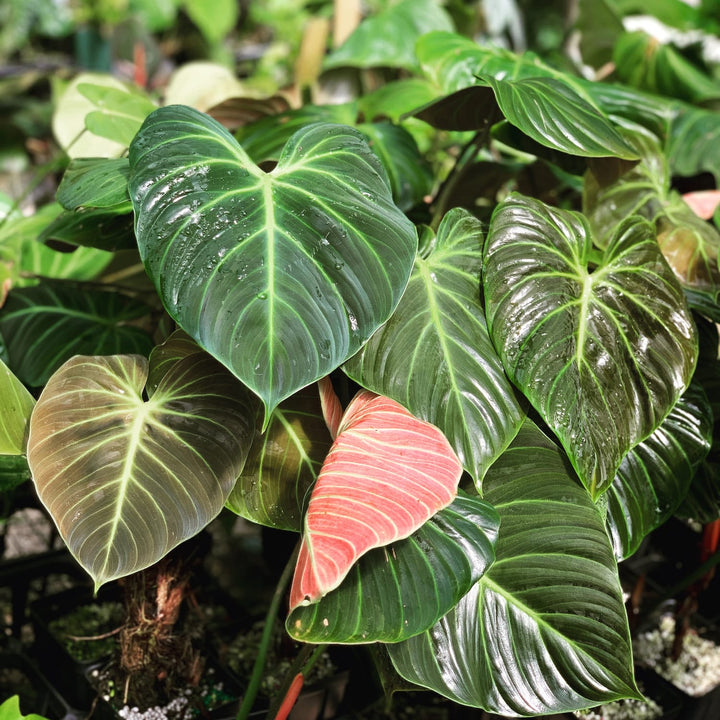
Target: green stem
(259, 666)
(458, 172)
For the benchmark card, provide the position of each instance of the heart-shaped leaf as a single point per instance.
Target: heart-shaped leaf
(16, 405)
(296, 268)
(283, 464)
(96, 183)
(378, 600)
(545, 629)
(603, 352)
(102, 228)
(654, 477)
(386, 474)
(45, 325)
(126, 480)
(435, 357)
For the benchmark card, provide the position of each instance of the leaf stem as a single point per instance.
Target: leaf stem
(259, 667)
(458, 172)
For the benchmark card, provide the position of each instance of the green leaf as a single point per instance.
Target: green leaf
(599, 26)
(101, 228)
(283, 464)
(126, 480)
(552, 113)
(398, 591)
(16, 405)
(214, 20)
(642, 61)
(544, 630)
(120, 114)
(654, 477)
(265, 139)
(45, 325)
(409, 174)
(388, 38)
(296, 268)
(435, 356)
(396, 98)
(694, 142)
(164, 356)
(14, 471)
(10, 709)
(96, 183)
(603, 352)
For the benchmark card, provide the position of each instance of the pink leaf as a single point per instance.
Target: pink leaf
(703, 202)
(330, 404)
(386, 474)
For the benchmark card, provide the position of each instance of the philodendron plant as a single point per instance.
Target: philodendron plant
(523, 333)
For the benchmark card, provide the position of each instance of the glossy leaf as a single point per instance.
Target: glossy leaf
(435, 357)
(45, 325)
(702, 503)
(385, 475)
(388, 38)
(102, 228)
(552, 113)
(603, 352)
(96, 183)
(283, 464)
(643, 62)
(16, 405)
(693, 142)
(398, 591)
(126, 480)
(544, 630)
(654, 477)
(164, 356)
(281, 276)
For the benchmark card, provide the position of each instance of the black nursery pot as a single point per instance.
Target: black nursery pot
(20, 676)
(67, 662)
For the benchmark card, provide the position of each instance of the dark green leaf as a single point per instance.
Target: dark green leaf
(655, 475)
(96, 183)
(602, 352)
(102, 228)
(14, 471)
(46, 325)
(283, 464)
(398, 591)
(435, 357)
(281, 276)
(544, 630)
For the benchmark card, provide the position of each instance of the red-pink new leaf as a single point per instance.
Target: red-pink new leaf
(330, 403)
(386, 474)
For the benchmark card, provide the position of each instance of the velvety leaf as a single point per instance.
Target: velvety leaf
(126, 480)
(471, 108)
(603, 352)
(45, 325)
(14, 471)
(385, 475)
(97, 183)
(702, 502)
(120, 112)
(435, 357)
(296, 268)
(265, 139)
(164, 356)
(654, 477)
(388, 38)
(544, 630)
(101, 228)
(16, 405)
(643, 62)
(283, 464)
(398, 591)
(236, 112)
(551, 112)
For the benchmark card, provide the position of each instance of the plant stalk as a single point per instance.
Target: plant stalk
(259, 666)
